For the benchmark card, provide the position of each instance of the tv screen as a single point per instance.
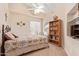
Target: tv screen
(75, 31)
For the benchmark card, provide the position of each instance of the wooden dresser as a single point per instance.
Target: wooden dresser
(55, 32)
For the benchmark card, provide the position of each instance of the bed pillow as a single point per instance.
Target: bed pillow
(9, 36)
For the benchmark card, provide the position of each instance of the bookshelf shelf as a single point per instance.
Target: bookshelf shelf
(55, 32)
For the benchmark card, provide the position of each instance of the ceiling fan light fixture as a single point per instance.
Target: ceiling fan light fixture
(38, 10)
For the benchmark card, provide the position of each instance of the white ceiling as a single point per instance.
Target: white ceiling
(49, 8)
(33, 5)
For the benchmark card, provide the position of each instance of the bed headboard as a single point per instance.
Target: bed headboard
(5, 28)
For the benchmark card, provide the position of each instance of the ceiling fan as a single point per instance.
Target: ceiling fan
(36, 9)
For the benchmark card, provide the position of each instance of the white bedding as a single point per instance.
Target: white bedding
(24, 42)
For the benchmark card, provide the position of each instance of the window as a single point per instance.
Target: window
(35, 27)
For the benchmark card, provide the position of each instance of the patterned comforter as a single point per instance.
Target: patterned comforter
(24, 42)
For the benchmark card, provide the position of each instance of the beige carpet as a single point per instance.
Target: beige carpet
(51, 51)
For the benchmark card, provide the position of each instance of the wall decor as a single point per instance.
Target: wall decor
(21, 23)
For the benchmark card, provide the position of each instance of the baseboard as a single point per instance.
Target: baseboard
(67, 51)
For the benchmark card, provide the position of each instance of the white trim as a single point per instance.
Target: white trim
(67, 52)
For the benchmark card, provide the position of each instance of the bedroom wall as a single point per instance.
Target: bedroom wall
(71, 45)
(17, 17)
(16, 14)
(3, 10)
(13, 18)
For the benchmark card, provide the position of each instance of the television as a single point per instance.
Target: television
(75, 31)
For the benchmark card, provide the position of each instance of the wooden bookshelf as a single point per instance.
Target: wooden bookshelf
(55, 32)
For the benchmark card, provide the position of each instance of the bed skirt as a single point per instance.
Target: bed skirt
(21, 51)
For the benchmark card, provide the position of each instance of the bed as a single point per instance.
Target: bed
(21, 45)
